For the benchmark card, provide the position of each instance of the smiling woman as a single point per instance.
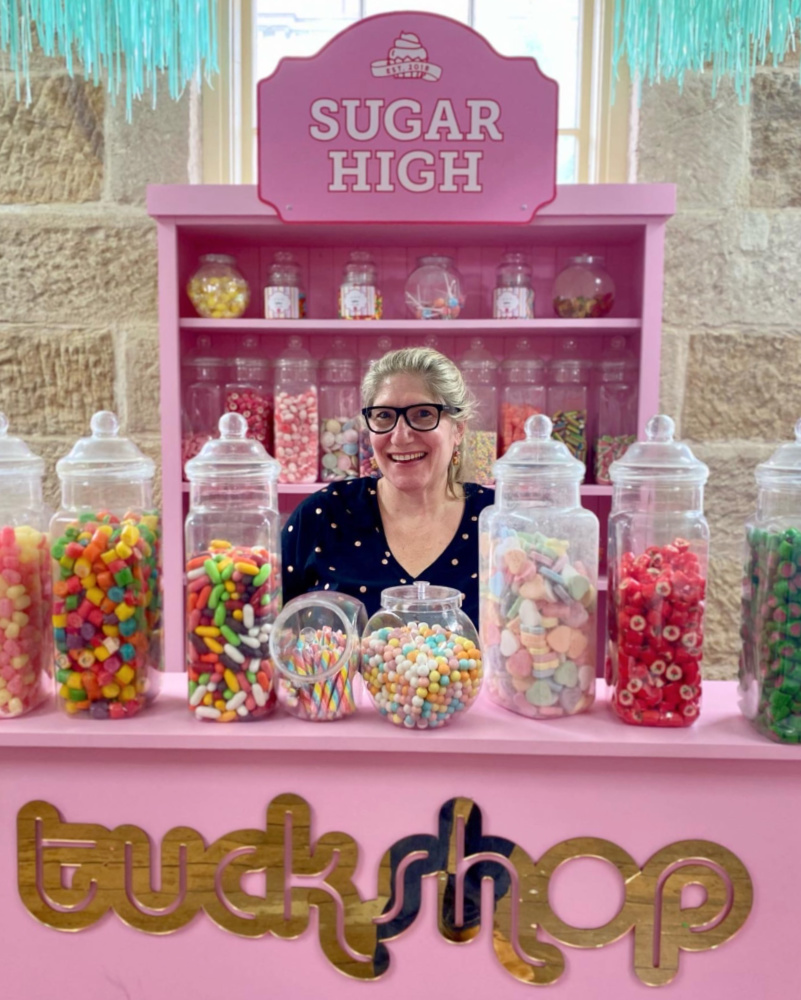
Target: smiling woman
(420, 520)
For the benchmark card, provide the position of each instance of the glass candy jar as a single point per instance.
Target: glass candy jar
(434, 289)
(480, 371)
(339, 415)
(106, 548)
(421, 659)
(283, 296)
(203, 377)
(523, 393)
(770, 661)
(367, 463)
(568, 397)
(583, 289)
(296, 414)
(26, 651)
(233, 576)
(658, 556)
(513, 297)
(218, 289)
(359, 297)
(250, 391)
(539, 580)
(617, 408)
(315, 647)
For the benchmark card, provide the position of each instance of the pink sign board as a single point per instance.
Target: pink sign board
(407, 117)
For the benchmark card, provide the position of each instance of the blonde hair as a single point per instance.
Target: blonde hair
(443, 381)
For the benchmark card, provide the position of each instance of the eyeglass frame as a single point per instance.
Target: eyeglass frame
(401, 411)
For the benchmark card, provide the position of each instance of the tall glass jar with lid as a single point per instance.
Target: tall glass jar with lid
(203, 377)
(249, 390)
(233, 576)
(367, 463)
(568, 397)
(524, 392)
(480, 373)
(359, 296)
(339, 414)
(513, 297)
(421, 659)
(283, 295)
(658, 556)
(770, 624)
(26, 650)
(539, 580)
(106, 548)
(296, 414)
(617, 407)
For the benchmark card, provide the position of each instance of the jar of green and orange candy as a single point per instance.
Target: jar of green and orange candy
(106, 550)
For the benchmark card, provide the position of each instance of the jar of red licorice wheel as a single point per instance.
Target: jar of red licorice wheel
(314, 645)
(106, 549)
(658, 555)
(26, 653)
(233, 576)
(249, 391)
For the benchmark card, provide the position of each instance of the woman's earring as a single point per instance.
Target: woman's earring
(456, 458)
(373, 463)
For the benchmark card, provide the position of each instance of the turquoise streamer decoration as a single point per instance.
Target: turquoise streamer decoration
(666, 39)
(135, 41)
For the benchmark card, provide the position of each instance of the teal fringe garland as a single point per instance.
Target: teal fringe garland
(666, 39)
(134, 41)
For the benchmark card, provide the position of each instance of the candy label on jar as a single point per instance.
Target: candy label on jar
(283, 302)
(359, 302)
(513, 303)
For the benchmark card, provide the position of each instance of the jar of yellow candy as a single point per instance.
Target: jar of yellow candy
(218, 289)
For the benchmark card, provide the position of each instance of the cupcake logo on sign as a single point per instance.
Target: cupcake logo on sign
(407, 60)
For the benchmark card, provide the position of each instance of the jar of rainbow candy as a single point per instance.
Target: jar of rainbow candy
(106, 548)
(421, 660)
(233, 576)
(25, 650)
(314, 646)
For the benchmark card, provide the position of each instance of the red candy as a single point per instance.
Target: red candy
(656, 636)
(257, 408)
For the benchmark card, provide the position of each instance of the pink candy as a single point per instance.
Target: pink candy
(296, 435)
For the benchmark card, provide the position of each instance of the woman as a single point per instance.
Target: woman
(419, 521)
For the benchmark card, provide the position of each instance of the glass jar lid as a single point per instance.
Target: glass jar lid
(249, 357)
(362, 266)
(295, 355)
(587, 259)
(478, 358)
(421, 597)
(312, 638)
(105, 454)
(522, 357)
(569, 365)
(659, 458)
(538, 455)
(233, 455)
(617, 361)
(339, 365)
(783, 468)
(16, 458)
(218, 258)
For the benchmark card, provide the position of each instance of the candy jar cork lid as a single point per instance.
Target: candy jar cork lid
(783, 468)
(16, 458)
(538, 454)
(659, 457)
(105, 454)
(233, 456)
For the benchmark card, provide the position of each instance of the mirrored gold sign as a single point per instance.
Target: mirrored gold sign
(72, 874)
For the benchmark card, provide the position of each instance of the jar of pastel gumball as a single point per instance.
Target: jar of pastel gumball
(315, 648)
(367, 462)
(538, 580)
(584, 289)
(339, 414)
(249, 391)
(524, 392)
(658, 556)
(218, 289)
(770, 661)
(421, 658)
(106, 549)
(26, 651)
(297, 417)
(434, 290)
(233, 576)
(480, 369)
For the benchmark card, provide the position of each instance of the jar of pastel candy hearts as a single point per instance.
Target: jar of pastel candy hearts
(339, 414)
(314, 645)
(233, 576)
(770, 661)
(296, 414)
(106, 548)
(26, 653)
(421, 659)
(658, 555)
(538, 580)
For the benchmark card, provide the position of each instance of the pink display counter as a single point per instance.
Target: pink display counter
(432, 827)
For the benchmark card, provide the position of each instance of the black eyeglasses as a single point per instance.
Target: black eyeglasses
(419, 416)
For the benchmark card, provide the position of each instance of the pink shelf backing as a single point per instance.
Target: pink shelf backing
(721, 733)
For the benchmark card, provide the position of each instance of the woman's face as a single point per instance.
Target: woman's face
(413, 460)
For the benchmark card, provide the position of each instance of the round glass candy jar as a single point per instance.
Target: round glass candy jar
(513, 297)
(538, 578)
(106, 548)
(658, 555)
(359, 297)
(217, 289)
(421, 659)
(233, 576)
(770, 661)
(315, 647)
(339, 415)
(283, 297)
(296, 414)
(26, 652)
(434, 289)
(583, 289)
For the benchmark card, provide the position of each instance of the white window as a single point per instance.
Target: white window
(570, 39)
